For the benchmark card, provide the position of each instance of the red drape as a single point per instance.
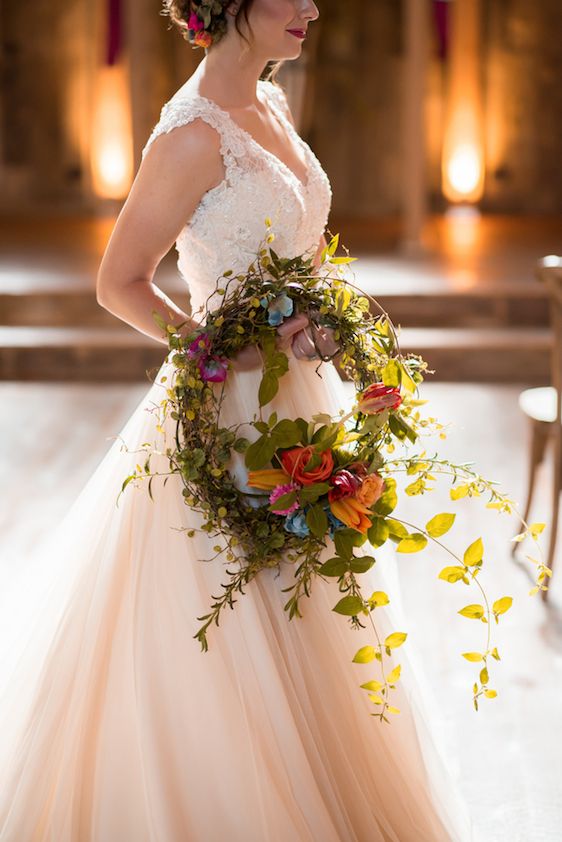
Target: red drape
(114, 30)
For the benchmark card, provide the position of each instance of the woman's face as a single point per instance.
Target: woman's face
(272, 22)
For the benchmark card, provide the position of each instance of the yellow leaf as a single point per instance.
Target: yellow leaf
(364, 655)
(451, 574)
(378, 598)
(474, 553)
(484, 677)
(440, 524)
(393, 676)
(491, 694)
(473, 656)
(458, 492)
(377, 700)
(502, 605)
(473, 612)
(372, 685)
(392, 709)
(395, 639)
(412, 543)
(535, 529)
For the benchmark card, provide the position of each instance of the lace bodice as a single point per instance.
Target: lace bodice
(228, 224)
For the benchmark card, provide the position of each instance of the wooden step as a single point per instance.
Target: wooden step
(511, 355)
(418, 302)
(100, 355)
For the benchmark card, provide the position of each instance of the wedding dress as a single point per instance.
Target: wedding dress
(115, 727)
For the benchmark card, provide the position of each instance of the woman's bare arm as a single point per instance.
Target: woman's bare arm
(178, 168)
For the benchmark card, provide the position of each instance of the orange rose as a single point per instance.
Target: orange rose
(353, 513)
(370, 489)
(295, 460)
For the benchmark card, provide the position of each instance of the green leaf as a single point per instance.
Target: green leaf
(360, 564)
(440, 524)
(335, 566)
(285, 501)
(311, 493)
(269, 387)
(378, 532)
(396, 530)
(344, 542)
(286, 433)
(317, 521)
(349, 606)
(259, 454)
(388, 500)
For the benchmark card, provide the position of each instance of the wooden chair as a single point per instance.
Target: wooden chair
(543, 405)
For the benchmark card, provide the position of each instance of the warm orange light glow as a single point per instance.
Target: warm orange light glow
(112, 149)
(462, 232)
(463, 173)
(462, 165)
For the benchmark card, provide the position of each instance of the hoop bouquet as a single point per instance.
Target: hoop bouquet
(322, 481)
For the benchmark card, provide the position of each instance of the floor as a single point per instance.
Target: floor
(507, 755)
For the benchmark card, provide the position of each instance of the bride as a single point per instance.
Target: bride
(115, 727)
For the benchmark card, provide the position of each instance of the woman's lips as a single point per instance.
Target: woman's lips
(298, 33)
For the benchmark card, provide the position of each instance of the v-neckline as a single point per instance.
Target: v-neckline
(304, 185)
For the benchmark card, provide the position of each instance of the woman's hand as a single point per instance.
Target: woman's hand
(251, 356)
(304, 347)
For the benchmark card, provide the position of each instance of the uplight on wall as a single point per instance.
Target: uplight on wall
(112, 150)
(462, 163)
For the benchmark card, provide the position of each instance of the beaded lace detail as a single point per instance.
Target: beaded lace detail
(228, 224)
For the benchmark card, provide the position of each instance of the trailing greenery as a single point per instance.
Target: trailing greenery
(322, 481)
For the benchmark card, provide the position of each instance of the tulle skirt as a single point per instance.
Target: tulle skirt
(116, 727)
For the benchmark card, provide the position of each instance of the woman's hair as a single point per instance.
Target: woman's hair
(210, 18)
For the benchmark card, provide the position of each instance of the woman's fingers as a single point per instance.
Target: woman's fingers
(289, 327)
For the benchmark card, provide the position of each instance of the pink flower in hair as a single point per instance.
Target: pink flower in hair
(195, 22)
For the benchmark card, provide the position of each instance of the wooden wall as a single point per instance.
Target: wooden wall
(351, 117)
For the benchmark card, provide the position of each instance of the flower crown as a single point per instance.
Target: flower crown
(207, 22)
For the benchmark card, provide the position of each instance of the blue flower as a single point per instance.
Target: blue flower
(279, 309)
(334, 523)
(296, 523)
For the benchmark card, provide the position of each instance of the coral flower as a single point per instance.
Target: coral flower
(203, 39)
(377, 397)
(370, 489)
(353, 513)
(268, 478)
(295, 460)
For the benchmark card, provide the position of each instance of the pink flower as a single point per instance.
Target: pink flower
(213, 369)
(278, 492)
(195, 22)
(200, 345)
(377, 397)
(344, 484)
